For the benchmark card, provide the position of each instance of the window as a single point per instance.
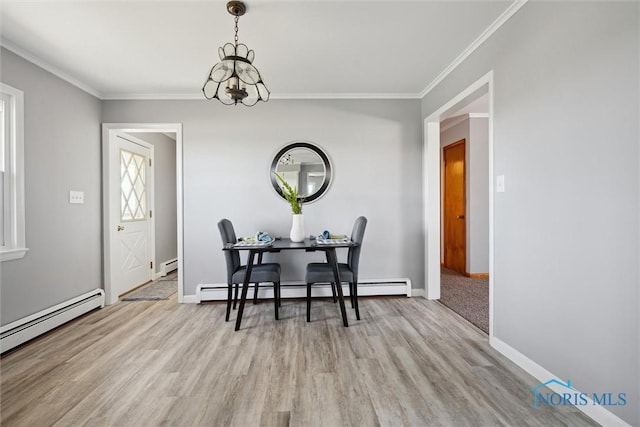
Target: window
(132, 187)
(12, 234)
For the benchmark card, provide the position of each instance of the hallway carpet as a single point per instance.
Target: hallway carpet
(466, 296)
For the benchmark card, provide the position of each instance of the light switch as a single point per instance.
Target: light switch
(76, 197)
(500, 183)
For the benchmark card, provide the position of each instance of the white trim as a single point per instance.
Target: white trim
(491, 207)
(431, 196)
(157, 128)
(346, 96)
(17, 247)
(488, 32)
(191, 299)
(292, 96)
(596, 412)
(417, 293)
(431, 221)
(48, 67)
(12, 254)
(478, 115)
(298, 289)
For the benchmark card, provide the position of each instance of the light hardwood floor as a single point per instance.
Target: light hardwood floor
(408, 362)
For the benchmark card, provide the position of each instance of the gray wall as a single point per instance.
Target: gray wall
(164, 195)
(566, 137)
(475, 131)
(375, 147)
(62, 153)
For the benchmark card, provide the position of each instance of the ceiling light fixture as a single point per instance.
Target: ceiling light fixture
(235, 80)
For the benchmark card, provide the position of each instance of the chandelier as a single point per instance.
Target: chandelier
(235, 80)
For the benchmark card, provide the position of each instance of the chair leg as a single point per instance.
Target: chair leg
(351, 297)
(355, 299)
(276, 297)
(333, 291)
(255, 293)
(229, 297)
(235, 295)
(308, 302)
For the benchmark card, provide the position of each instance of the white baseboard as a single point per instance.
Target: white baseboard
(369, 287)
(596, 412)
(190, 299)
(417, 293)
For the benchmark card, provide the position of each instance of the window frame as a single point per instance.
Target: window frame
(15, 245)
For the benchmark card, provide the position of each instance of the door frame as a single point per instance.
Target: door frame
(107, 130)
(432, 191)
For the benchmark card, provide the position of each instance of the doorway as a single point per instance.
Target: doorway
(433, 192)
(123, 191)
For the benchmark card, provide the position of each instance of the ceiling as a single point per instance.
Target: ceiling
(304, 48)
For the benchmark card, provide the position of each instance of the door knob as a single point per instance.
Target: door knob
(460, 216)
(120, 228)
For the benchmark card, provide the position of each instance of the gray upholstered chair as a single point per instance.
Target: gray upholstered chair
(260, 273)
(321, 272)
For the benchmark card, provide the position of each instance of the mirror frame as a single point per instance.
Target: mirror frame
(325, 160)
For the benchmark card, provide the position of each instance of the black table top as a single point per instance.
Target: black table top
(286, 244)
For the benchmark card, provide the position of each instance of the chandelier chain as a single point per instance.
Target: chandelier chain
(236, 29)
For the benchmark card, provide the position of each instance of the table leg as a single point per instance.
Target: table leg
(331, 255)
(245, 287)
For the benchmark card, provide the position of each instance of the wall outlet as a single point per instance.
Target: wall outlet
(76, 197)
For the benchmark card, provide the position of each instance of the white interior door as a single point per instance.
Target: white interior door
(130, 214)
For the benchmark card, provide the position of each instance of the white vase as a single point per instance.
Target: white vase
(297, 228)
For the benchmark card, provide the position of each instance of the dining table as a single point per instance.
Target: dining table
(328, 246)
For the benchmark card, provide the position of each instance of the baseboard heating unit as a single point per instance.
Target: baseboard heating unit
(168, 266)
(27, 328)
(367, 287)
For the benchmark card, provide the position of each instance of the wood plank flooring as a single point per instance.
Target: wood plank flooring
(408, 362)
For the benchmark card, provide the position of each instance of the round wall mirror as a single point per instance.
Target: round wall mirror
(304, 166)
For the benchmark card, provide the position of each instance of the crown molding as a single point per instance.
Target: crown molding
(346, 96)
(281, 96)
(48, 67)
(504, 17)
(152, 96)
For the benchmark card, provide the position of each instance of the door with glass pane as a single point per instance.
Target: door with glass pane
(130, 213)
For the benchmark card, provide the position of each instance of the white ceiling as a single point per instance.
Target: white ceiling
(304, 48)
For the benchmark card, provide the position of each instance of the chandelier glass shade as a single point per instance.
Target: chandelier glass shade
(235, 80)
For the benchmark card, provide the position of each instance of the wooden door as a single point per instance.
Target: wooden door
(454, 222)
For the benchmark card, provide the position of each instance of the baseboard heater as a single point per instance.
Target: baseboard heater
(168, 266)
(27, 328)
(370, 287)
